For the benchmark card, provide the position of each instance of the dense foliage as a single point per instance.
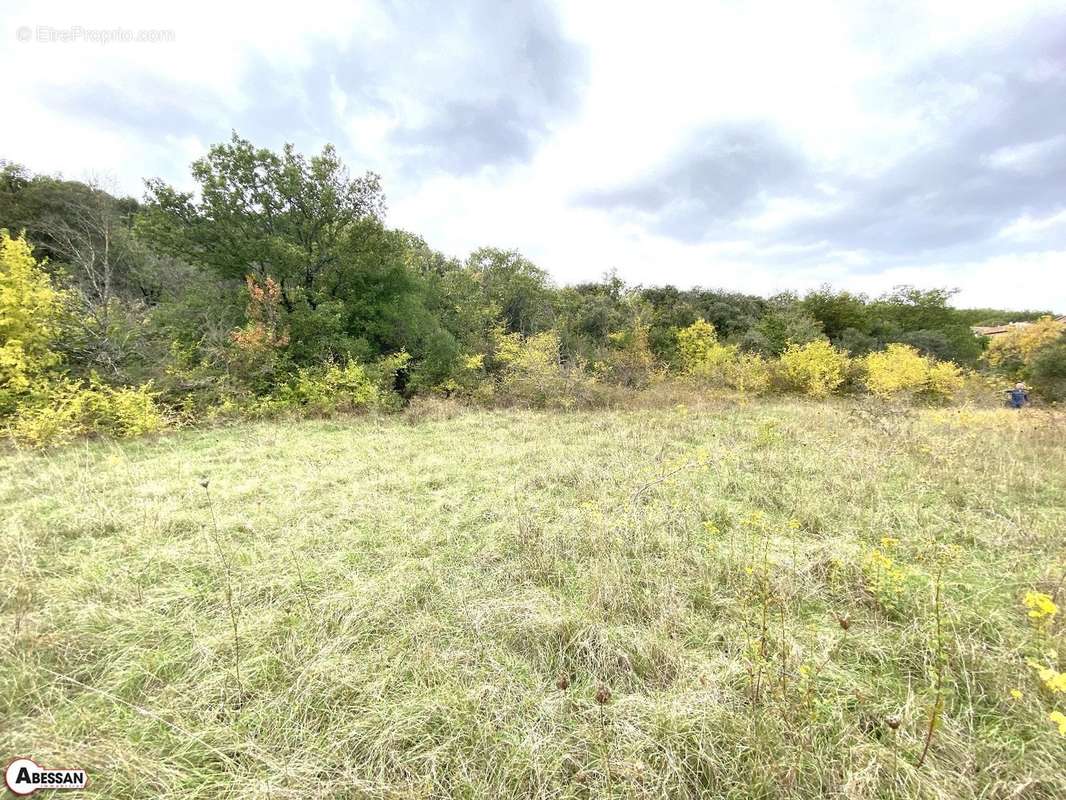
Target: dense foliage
(277, 285)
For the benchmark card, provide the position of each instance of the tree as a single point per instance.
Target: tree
(785, 323)
(30, 312)
(348, 286)
(838, 312)
(1013, 352)
(517, 288)
(268, 215)
(914, 316)
(1048, 370)
(84, 234)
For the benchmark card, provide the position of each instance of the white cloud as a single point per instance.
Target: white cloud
(835, 81)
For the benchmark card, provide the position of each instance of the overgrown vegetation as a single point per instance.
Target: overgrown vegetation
(780, 598)
(277, 288)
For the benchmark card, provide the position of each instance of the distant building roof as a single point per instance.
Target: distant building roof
(995, 330)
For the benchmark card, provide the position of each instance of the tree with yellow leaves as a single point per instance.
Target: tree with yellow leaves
(1015, 349)
(30, 311)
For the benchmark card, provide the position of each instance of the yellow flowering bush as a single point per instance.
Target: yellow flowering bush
(815, 369)
(701, 355)
(946, 380)
(62, 410)
(900, 369)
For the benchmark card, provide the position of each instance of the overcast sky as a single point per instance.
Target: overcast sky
(743, 145)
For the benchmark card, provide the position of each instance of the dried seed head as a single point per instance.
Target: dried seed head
(845, 622)
(563, 682)
(893, 722)
(603, 695)
(205, 482)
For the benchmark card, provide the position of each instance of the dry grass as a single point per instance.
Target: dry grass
(410, 595)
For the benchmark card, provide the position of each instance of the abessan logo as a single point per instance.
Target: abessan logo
(24, 777)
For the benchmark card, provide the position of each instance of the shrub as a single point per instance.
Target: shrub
(815, 369)
(532, 372)
(695, 344)
(897, 368)
(748, 373)
(706, 360)
(57, 412)
(946, 380)
(332, 388)
(629, 361)
(901, 369)
(335, 388)
(467, 377)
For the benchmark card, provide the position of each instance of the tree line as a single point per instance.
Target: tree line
(280, 272)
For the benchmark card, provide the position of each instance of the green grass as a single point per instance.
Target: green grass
(408, 592)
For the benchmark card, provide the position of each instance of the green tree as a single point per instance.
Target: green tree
(838, 312)
(518, 289)
(270, 215)
(1048, 371)
(785, 323)
(924, 319)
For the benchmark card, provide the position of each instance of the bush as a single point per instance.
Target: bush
(748, 373)
(533, 373)
(335, 388)
(58, 412)
(946, 380)
(331, 388)
(629, 360)
(706, 360)
(898, 368)
(901, 369)
(815, 369)
(695, 345)
(467, 378)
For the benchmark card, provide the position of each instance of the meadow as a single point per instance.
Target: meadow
(776, 598)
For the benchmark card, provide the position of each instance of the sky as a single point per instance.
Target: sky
(750, 146)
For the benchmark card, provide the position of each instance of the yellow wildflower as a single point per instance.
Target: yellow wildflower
(1016, 694)
(1042, 608)
(753, 519)
(1059, 719)
(1054, 680)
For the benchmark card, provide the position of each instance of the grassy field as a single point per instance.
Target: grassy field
(434, 606)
